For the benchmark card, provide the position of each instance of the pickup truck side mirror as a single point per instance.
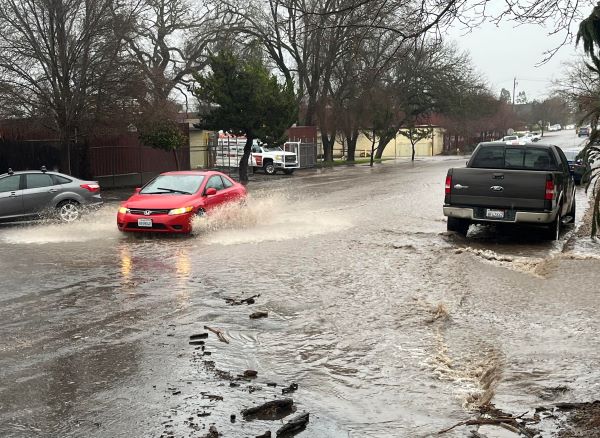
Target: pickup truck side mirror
(210, 191)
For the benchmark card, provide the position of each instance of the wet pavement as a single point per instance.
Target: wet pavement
(390, 326)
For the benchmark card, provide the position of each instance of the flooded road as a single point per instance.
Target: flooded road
(390, 326)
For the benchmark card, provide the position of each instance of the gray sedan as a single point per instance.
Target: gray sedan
(34, 194)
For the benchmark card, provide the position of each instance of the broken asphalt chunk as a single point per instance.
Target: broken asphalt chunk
(289, 389)
(257, 315)
(270, 410)
(236, 302)
(199, 336)
(295, 425)
(212, 433)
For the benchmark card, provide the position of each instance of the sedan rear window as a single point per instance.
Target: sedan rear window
(38, 180)
(522, 158)
(174, 184)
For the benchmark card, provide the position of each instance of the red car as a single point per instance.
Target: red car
(169, 202)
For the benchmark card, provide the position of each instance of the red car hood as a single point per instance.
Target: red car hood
(161, 202)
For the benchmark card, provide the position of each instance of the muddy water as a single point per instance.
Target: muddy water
(390, 326)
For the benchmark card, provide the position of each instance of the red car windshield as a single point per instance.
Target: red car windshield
(173, 184)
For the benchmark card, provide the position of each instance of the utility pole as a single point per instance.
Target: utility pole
(514, 89)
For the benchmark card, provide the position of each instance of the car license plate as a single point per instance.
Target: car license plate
(494, 214)
(145, 223)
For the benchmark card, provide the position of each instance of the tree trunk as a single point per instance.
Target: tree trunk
(373, 149)
(176, 159)
(352, 139)
(311, 111)
(412, 143)
(384, 140)
(65, 151)
(328, 142)
(243, 165)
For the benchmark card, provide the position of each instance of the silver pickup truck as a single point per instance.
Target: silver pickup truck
(511, 182)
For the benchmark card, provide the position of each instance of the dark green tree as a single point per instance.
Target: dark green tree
(505, 95)
(242, 98)
(589, 35)
(163, 134)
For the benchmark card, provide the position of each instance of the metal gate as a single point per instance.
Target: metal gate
(225, 153)
(306, 152)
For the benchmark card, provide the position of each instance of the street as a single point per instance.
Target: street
(390, 326)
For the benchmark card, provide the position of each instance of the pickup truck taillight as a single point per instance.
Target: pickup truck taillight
(448, 184)
(549, 196)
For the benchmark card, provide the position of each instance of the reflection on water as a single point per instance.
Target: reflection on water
(183, 263)
(126, 263)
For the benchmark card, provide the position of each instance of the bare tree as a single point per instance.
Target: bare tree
(311, 45)
(169, 40)
(58, 60)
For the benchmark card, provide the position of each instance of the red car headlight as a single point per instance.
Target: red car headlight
(181, 210)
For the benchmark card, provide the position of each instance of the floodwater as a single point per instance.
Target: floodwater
(390, 326)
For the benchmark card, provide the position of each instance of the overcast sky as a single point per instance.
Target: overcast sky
(502, 53)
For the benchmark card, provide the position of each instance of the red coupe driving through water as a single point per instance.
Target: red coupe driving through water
(169, 202)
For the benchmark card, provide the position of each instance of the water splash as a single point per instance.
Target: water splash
(94, 225)
(273, 217)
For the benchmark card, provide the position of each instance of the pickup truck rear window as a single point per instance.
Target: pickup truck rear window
(520, 158)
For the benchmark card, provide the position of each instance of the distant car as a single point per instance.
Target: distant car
(577, 167)
(584, 131)
(555, 127)
(569, 127)
(35, 194)
(169, 203)
(531, 137)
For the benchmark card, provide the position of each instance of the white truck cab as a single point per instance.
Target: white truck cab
(273, 158)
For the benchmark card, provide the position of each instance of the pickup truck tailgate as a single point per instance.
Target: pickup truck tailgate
(516, 189)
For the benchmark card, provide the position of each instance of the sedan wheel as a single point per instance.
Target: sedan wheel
(69, 211)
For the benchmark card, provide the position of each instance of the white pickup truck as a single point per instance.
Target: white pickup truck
(273, 158)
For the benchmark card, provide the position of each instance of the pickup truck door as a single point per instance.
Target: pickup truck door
(256, 157)
(566, 182)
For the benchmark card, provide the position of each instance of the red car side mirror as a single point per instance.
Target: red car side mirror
(210, 191)
(137, 189)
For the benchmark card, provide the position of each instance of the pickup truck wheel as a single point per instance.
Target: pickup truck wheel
(460, 226)
(553, 230)
(572, 213)
(269, 168)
